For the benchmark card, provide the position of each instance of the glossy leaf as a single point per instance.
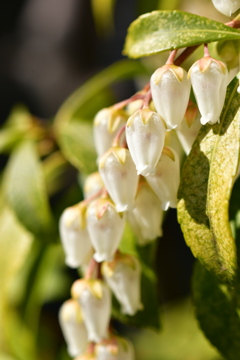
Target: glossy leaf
(207, 180)
(25, 189)
(216, 313)
(167, 30)
(75, 133)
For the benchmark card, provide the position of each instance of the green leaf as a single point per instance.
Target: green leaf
(167, 30)
(216, 313)
(25, 190)
(149, 317)
(78, 145)
(206, 183)
(72, 129)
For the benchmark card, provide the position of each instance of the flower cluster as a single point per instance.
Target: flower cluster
(137, 180)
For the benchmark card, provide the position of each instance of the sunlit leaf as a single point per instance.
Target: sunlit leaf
(167, 30)
(207, 180)
(25, 189)
(216, 313)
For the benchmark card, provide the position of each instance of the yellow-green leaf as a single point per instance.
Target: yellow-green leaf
(25, 190)
(207, 180)
(159, 31)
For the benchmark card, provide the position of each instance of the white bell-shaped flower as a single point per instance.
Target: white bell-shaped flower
(105, 226)
(209, 78)
(92, 185)
(73, 327)
(147, 215)
(227, 7)
(94, 297)
(166, 181)
(145, 134)
(170, 89)
(74, 235)
(115, 348)
(189, 127)
(123, 276)
(107, 123)
(119, 175)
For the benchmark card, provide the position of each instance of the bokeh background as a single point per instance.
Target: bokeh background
(48, 48)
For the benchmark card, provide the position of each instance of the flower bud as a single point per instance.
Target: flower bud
(170, 92)
(147, 215)
(74, 235)
(107, 123)
(227, 7)
(105, 227)
(209, 78)
(123, 276)
(115, 348)
(119, 176)
(95, 299)
(93, 184)
(73, 327)
(188, 129)
(166, 181)
(145, 134)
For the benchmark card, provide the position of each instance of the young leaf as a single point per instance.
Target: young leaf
(216, 313)
(167, 30)
(25, 189)
(207, 180)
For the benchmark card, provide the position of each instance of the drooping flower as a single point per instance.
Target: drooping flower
(147, 215)
(115, 348)
(94, 297)
(227, 7)
(119, 175)
(105, 226)
(92, 184)
(107, 123)
(188, 129)
(74, 235)
(123, 276)
(209, 78)
(170, 92)
(73, 327)
(145, 134)
(166, 181)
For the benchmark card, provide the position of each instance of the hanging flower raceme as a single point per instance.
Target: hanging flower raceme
(119, 176)
(73, 327)
(170, 92)
(107, 123)
(145, 134)
(105, 226)
(209, 78)
(166, 181)
(147, 215)
(74, 235)
(227, 7)
(94, 297)
(189, 127)
(115, 348)
(123, 276)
